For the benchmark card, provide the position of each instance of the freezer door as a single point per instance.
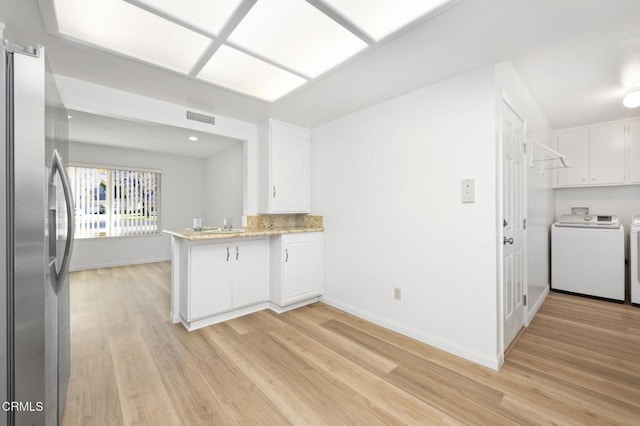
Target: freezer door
(33, 377)
(4, 260)
(38, 354)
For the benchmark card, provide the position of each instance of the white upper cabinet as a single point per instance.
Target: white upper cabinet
(284, 168)
(574, 144)
(634, 152)
(599, 155)
(606, 154)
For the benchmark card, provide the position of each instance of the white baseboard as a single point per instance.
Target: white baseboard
(225, 316)
(229, 315)
(534, 308)
(280, 309)
(116, 264)
(446, 345)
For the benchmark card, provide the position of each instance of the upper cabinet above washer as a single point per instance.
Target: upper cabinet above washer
(601, 154)
(283, 155)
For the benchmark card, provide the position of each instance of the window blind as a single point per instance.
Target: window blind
(114, 202)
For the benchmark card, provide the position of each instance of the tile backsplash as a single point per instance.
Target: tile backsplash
(264, 222)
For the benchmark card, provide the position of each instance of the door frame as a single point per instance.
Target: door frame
(503, 98)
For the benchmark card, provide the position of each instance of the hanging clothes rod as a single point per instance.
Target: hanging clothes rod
(548, 154)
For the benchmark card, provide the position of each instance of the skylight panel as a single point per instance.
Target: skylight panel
(207, 15)
(238, 71)
(379, 18)
(129, 30)
(297, 35)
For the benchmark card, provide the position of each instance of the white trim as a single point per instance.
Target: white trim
(104, 166)
(225, 316)
(281, 309)
(500, 360)
(236, 313)
(116, 264)
(438, 342)
(536, 306)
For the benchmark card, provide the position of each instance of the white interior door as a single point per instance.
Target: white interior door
(513, 222)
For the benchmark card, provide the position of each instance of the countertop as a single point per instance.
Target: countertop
(191, 235)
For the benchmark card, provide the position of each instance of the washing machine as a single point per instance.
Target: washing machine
(634, 255)
(587, 256)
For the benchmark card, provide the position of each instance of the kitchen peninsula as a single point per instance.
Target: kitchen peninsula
(275, 262)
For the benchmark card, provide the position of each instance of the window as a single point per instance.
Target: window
(111, 202)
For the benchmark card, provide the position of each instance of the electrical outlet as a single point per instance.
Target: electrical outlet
(397, 293)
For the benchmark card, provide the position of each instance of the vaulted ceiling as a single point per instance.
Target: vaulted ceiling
(577, 57)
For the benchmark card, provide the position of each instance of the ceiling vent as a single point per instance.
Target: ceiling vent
(206, 119)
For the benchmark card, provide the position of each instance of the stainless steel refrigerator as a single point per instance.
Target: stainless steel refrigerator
(36, 214)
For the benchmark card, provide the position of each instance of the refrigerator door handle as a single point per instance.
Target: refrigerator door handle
(58, 277)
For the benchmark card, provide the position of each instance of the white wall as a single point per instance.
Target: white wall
(102, 100)
(224, 182)
(540, 196)
(182, 189)
(387, 180)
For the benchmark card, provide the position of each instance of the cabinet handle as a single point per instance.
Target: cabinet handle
(237, 252)
(227, 254)
(286, 251)
(274, 191)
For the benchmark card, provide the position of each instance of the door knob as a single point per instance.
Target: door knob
(506, 240)
(504, 223)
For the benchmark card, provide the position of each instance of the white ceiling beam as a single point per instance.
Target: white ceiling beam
(171, 18)
(228, 28)
(340, 19)
(267, 60)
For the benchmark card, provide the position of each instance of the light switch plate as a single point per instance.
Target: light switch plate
(468, 190)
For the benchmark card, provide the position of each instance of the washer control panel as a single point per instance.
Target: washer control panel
(590, 220)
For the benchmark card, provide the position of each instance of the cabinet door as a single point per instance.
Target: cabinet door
(606, 154)
(210, 280)
(250, 272)
(289, 169)
(302, 276)
(634, 152)
(574, 144)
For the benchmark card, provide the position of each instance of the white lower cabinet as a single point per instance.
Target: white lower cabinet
(210, 281)
(225, 276)
(296, 267)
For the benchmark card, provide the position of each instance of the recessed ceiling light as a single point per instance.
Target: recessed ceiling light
(379, 18)
(207, 15)
(297, 35)
(193, 138)
(632, 98)
(123, 28)
(238, 71)
(69, 116)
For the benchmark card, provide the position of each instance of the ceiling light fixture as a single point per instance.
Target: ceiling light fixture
(380, 18)
(193, 138)
(121, 27)
(632, 98)
(238, 71)
(297, 35)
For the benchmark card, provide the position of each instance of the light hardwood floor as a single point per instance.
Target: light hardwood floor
(578, 363)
